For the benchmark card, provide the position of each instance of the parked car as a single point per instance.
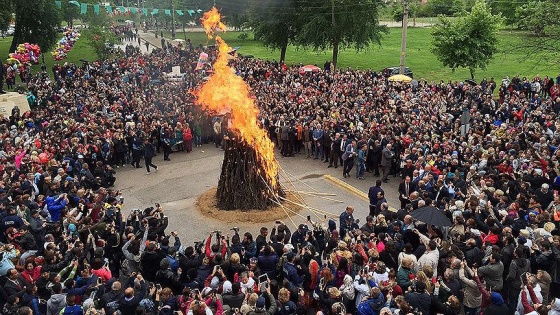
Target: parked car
(395, 70)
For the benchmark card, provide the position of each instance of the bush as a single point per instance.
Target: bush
(243, 36)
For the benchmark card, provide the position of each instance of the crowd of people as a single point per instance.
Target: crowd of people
(491, 165)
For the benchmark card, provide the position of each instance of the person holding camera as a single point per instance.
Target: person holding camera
(260, 305)
(472, 299)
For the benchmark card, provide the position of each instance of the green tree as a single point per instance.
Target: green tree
(70, 12)
(102, 39)
(398, 12)
(445, 7)
(414, 7)
(340, 24)
(5, 14)
(508, 9)
(36, 22)
(469, 41)
(92, 19)
(275, 23)
(236, 13)
(540, 19)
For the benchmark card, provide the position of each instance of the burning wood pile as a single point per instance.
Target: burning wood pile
(249, 178)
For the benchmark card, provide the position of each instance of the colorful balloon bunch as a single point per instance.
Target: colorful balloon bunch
(65, 44)
(25, 53)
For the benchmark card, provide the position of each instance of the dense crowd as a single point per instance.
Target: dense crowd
(490, 165)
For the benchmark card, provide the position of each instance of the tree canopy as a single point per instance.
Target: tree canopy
(469, 41)
(36, 22)
(508, 9)
(340, 24)
(275, 23)
(5, 14)
(540, 19)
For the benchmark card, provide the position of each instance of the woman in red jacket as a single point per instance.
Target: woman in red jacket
(187, 138)
(32, 272)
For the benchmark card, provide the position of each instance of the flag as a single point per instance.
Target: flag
(145, 11)
(76, 3)
(83, 8)
(58, 4)
(191, 12)
(109, 9)
(179, 12)
(167, 12)
(155, 11)
(202, 59)
(96, 9)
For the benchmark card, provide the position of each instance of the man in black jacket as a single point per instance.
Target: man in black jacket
(419, 299)
(114, 295)
(335, 150)
(150, 261)
(15, 285)
(130, 300)
(233, 297)
(149, 153)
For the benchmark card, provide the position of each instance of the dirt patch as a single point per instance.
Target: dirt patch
(206, 204)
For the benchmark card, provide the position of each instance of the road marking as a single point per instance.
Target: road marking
(347, 186)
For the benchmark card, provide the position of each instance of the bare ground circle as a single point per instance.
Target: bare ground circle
(207, 205)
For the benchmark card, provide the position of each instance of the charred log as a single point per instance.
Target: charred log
(243, 183)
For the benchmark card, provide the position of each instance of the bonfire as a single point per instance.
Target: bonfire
(249, 176)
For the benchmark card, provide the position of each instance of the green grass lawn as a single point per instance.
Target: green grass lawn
(80, 51)
(508, 61)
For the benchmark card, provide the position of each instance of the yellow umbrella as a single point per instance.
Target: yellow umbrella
(400, 78)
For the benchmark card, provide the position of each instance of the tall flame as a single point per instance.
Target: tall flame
(211, 21)
(226, 92)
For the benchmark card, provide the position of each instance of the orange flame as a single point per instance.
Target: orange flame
(226, 92)
(211, 21)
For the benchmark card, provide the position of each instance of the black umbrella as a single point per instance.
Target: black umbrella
(431, 215)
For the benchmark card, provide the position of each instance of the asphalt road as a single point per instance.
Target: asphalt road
(179, 182)
(182, 180)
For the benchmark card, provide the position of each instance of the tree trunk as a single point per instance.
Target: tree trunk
(17, 39)
(283, 52)
(242, 181)
(472, 73)
(335, 53)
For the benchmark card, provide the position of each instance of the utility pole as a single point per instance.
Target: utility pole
(403, 42)
(172, 19)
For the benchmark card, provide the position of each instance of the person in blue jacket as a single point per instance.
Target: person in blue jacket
(55, 205)
(374, 303)
(290, 272)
